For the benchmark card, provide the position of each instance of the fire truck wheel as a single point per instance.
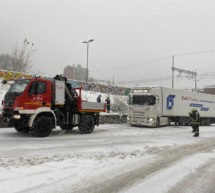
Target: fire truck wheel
(20, 128)
(23, 130)
(42, 126)
(87, 124)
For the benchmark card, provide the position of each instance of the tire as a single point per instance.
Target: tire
(19, 128)
(169, 122)
(87, 124)
(207, 122)
(202, 122)
(182, 123)
(42, 127)
(157, 122)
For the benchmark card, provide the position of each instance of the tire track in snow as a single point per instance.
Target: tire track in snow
(167, 158)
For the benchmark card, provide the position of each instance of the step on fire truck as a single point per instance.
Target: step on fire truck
(38, 105)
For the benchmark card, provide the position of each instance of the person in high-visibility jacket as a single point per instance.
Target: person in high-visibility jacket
(191, 114)
(194, 122)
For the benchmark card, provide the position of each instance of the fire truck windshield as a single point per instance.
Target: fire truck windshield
(19, 86)
(144, 99)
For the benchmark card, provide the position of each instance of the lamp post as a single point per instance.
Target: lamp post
(87, 42)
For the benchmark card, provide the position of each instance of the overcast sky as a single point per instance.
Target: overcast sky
(134, 39)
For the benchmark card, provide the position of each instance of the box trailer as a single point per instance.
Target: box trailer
(159, 106)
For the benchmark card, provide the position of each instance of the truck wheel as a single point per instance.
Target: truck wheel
(19, 128)
(207, 122)
(24, 130)
(87, 124)
(42, 127)
(182, 122)
(158, 122)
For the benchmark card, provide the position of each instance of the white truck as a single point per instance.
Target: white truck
(159, 106)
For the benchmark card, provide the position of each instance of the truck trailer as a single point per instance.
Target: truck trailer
(39, 105)
(160, 106)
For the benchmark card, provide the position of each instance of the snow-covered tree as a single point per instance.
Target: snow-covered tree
(119, 104)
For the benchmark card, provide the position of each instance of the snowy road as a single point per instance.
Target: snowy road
(115, 158)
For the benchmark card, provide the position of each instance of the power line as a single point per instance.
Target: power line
(168, 77)
(156, 60)
(200, 74)
(165, 78)
(195, 53)
(129, 66)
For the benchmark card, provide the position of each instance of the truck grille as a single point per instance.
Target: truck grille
(9, 99)
(136, 114)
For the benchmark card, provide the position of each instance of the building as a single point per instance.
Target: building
(210, 89)
(75, 72)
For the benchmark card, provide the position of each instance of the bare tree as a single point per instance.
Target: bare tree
(21, 57)
(5, 62)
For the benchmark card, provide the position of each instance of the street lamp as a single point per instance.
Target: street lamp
(87, 42)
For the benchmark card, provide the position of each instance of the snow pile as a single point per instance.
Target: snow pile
(3, 89)
(38, 160)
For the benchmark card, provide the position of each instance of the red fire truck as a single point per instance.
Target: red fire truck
(38, 105)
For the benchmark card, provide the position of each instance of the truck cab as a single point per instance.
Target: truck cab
(23, 99)
(28, 94)
(145, 107)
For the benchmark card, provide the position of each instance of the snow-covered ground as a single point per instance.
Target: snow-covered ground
(114, 158)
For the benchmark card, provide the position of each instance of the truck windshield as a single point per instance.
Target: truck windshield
(144, 100)
(19, 86)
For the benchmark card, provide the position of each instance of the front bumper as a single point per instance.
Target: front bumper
(143, 121)
(12, 117)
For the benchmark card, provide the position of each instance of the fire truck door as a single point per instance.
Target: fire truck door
(36, 95)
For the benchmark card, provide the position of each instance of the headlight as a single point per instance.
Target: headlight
(16, 116)
(128, 118)
(150, 119)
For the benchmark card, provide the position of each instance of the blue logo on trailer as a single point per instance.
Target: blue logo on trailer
(197, 105)
(170, 102)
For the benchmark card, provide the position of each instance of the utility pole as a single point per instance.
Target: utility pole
(189, 74)
(195, 81)
(172, 71)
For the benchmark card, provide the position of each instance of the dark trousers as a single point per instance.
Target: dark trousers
(108, 108)
(196, 130)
